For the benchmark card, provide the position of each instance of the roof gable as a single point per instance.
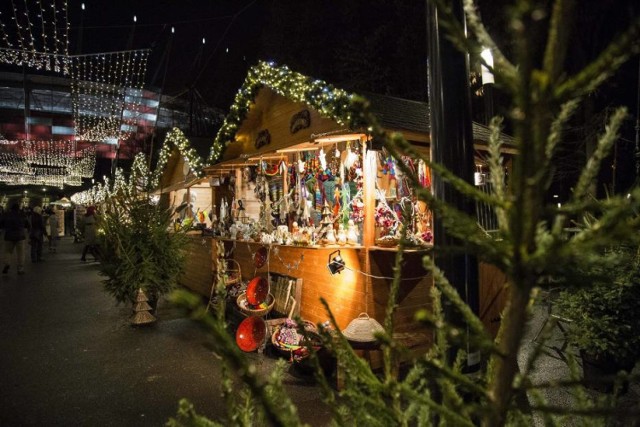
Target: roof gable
(176, 141)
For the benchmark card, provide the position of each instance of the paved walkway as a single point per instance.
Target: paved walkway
(68, 356)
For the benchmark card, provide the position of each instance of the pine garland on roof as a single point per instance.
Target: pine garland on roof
(331, 102)
(175, 138)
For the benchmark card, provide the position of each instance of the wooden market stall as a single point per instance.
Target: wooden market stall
(294, 179)
(182, 187)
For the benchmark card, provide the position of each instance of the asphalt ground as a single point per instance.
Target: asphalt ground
(69, 356)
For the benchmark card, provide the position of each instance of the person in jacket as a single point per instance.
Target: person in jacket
(15, 225)
(52, 226)
(90, 243)
(36, 234)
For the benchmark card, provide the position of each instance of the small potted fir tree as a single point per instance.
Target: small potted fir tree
(139, 247)
(604, 317)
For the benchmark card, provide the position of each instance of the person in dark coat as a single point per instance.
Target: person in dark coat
(51, 223)
(36, 234)
(89, 233)
(15, 225)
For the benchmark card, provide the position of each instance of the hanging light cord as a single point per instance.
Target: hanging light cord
(373, 276)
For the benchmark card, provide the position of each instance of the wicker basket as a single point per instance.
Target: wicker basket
(362, 329)
(387, 243)
(244, 306)
(297, 352)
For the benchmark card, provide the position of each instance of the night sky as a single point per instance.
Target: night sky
(231, 30)
(359, 45)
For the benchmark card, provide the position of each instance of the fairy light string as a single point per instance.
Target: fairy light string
(175, 138)
(41, 31)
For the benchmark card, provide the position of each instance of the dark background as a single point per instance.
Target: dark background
(373, 45)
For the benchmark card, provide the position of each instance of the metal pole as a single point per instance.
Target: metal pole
(638, 128)
(452, 146)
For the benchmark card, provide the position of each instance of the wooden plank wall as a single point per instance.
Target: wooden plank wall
(414, 291)
(198, 274)
(493, 296)
(273, 112)
(350, 293)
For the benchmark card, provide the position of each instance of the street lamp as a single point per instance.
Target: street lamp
(487, 83)
(487, 70)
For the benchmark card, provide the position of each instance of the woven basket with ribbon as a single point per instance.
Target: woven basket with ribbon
(362, 329)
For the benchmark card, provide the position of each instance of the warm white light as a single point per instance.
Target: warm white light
(203, 40)
(82, 6)
(173, 30)
(227, 50)
(135, 18)
(555, 196)
(487, 74)
(559, 205)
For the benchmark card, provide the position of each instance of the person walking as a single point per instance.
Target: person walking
(52, 224)
(15, 225)
(36, 234)
(90, 244)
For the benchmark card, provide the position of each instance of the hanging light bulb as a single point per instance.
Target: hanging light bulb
(135, 18)
(82, 6)
(203, 40)
(173, 30)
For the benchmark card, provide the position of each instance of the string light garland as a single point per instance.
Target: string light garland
(55, 163)
(331, 102)
(41, 35)
(175, 138)
(138, 179)
(106, 90)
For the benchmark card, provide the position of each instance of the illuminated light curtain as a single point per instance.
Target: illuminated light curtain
(35, 34)
(106, 90)
(54, 163)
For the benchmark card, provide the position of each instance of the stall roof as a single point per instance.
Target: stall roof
(177, 150)
(331, 102)
(399, 113)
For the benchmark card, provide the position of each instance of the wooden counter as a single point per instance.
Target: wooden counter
(198, 272)
(349, 293)
(362, 287)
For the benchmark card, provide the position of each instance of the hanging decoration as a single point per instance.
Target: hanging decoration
(36, 35)
(106, 92)
(54, 163)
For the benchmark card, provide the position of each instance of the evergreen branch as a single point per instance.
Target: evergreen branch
(187, 417)
(605, 143)
(605, 379)
(456, 376)
(557, 127)
(392, 304)
(453, 297)
(278, 411)
(615, 223)
(452, 333)
(506, 71)
(356, 365)
(538, 398)
(557, 39)
(450, 415)
(609, 60)
(590, 412)
(496, 169)
(397, 145)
